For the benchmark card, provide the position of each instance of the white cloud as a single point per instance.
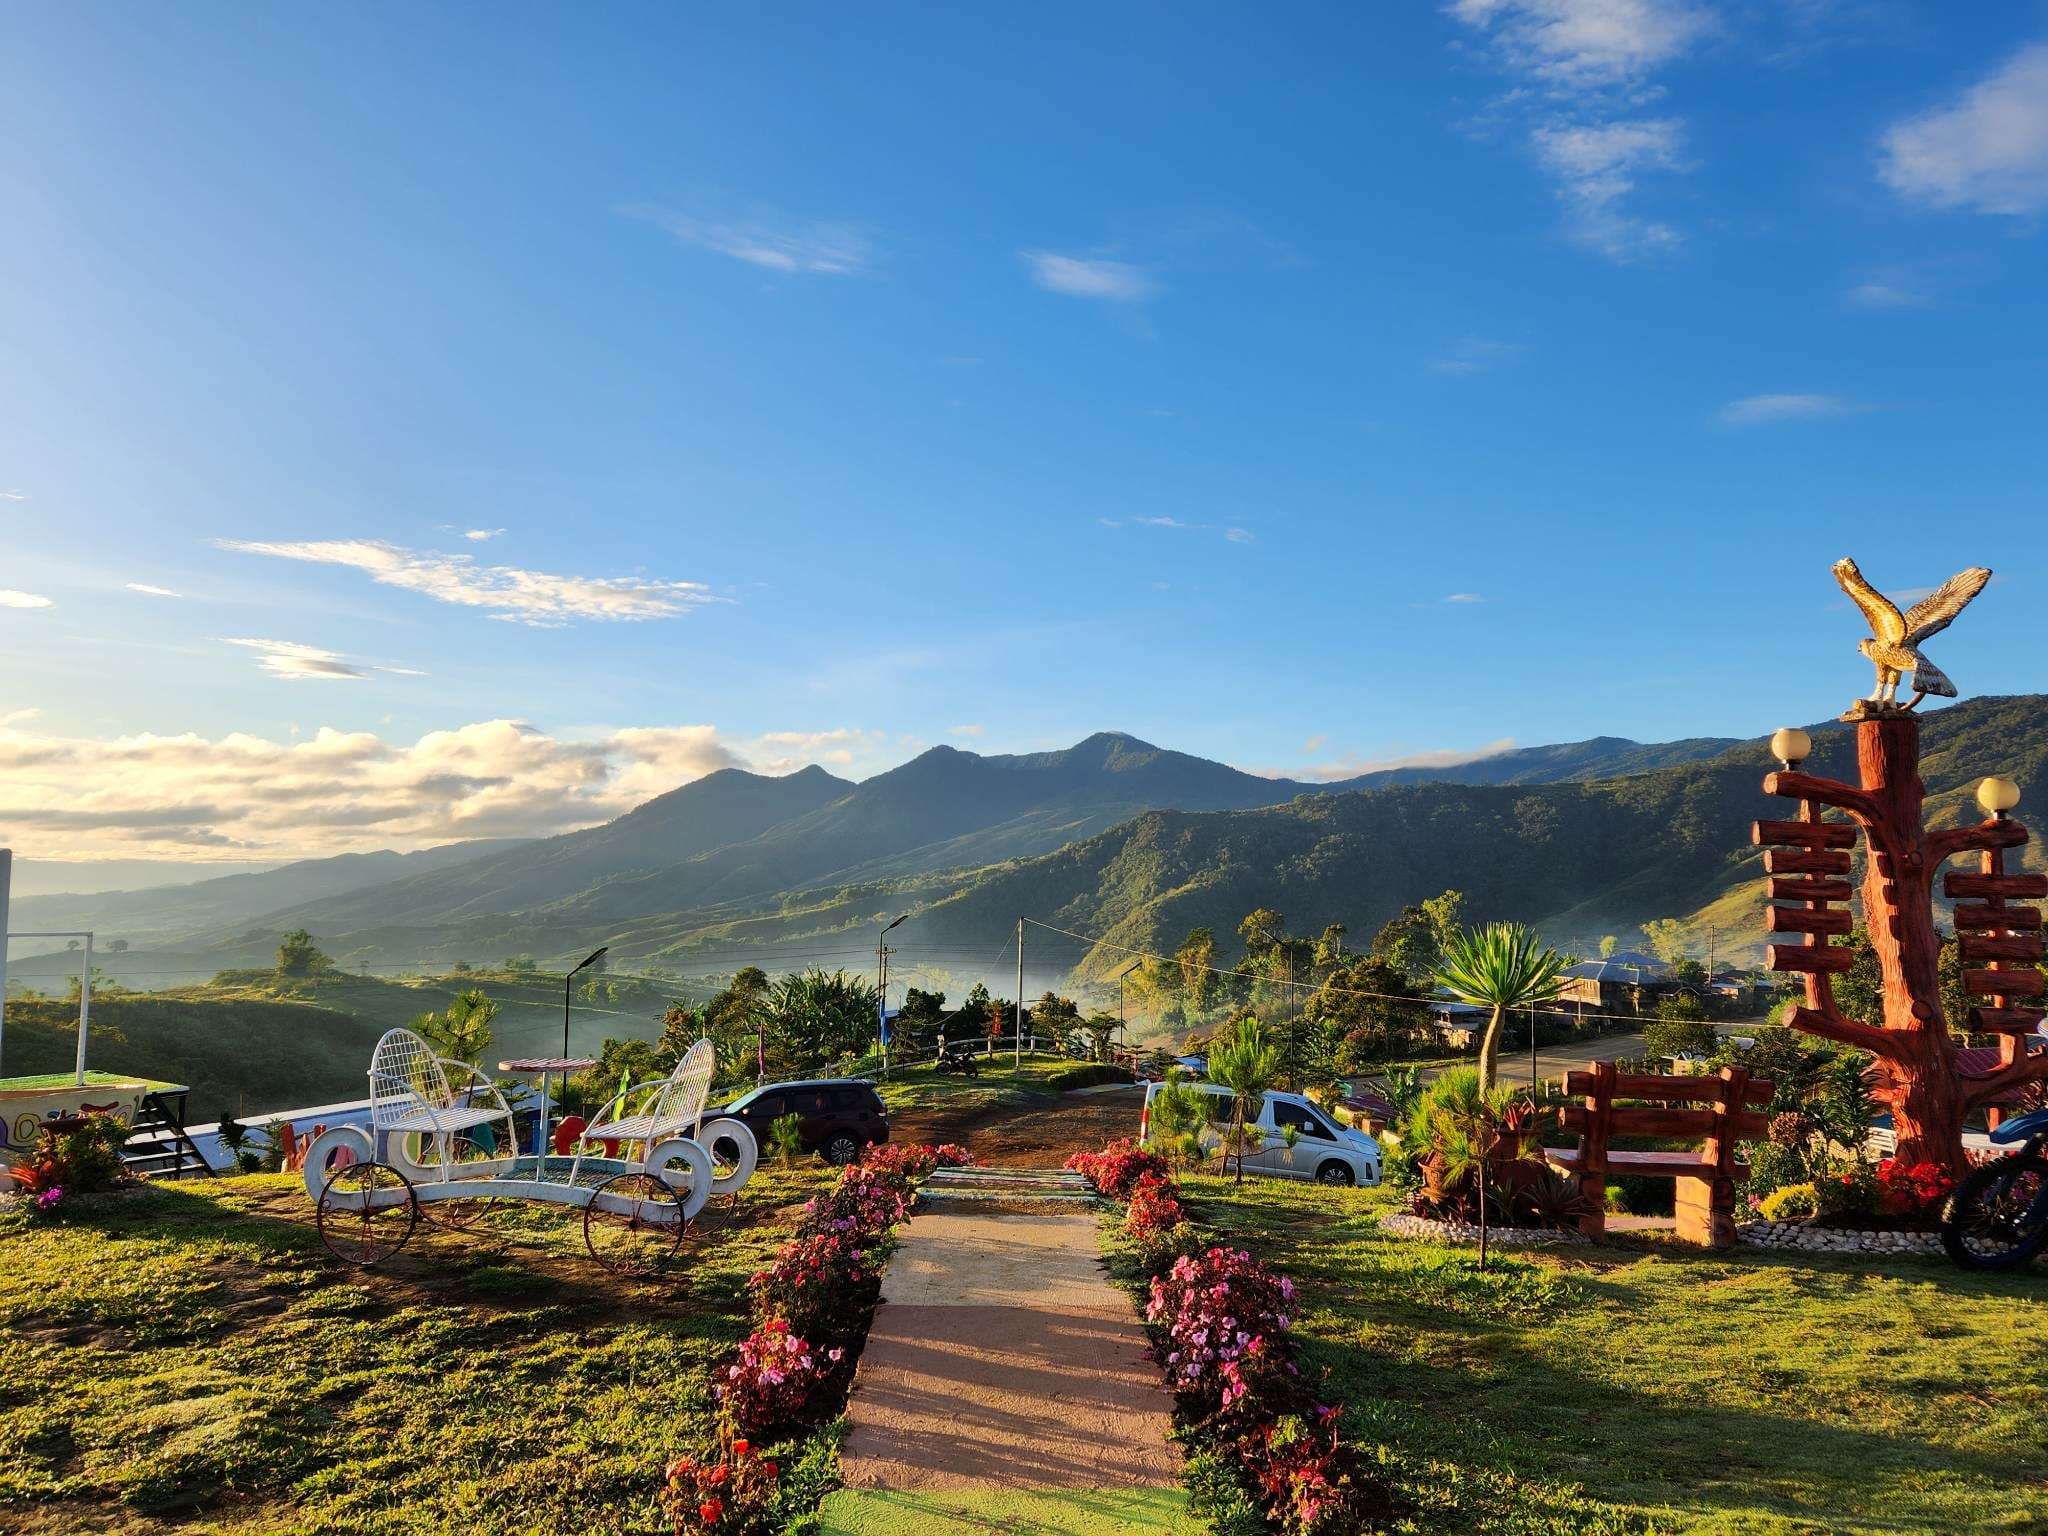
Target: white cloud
(149, 591)
(1239, 535)
(19, 716)
(338, 792)
(836, 250)
(1465, 597)
(1887, 293)
(1579, 43)
(481, 535)
(1760, 410)
(506, 592)
(968, 730)
(1590, 62)
(1987, 151)
(13, 496)
(1160, 522)
(9, 598)
(1089, 278)
(1596, 167)
(300, 663)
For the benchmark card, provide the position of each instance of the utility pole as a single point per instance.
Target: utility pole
(1018, 1058)
(6, 891)
(882, 993)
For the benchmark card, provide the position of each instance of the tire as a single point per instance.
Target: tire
(1981, 1223)
(841, 1148)
(1336, 1174)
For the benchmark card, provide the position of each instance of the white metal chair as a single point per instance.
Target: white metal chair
(411, 1095)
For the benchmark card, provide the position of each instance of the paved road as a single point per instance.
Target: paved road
(1575, 1055)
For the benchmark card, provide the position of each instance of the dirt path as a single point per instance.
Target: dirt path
(1002, 1364)
(1025, 1135)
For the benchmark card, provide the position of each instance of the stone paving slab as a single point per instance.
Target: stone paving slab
(1003, 1358)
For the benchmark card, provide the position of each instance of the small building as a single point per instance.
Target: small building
(1457, 1025)
(1627, 981)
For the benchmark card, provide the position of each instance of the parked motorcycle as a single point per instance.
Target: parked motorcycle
(1997, 1218)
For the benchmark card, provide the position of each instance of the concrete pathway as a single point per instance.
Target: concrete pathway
(1005, 1374)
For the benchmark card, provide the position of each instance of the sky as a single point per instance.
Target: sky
(424, 422)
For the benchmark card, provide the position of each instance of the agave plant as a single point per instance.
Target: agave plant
(1499, 967)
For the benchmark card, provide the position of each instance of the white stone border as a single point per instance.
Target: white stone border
(1408, 1224)
(1800, 1237)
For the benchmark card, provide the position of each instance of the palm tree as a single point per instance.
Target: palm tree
(1247, 1063)
(1469, 1125)
(1500, 967)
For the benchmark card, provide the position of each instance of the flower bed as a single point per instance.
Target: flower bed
(1450, 1230)
(1222, 1327)
(811, 1306)
(1805, 1237)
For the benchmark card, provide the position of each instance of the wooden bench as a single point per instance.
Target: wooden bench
(1705, 1179)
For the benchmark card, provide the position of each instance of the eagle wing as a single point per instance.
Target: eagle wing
(1936, 611)
(1887, 626)
(1928, 678)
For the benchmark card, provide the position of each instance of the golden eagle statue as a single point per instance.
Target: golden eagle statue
(1895, 638)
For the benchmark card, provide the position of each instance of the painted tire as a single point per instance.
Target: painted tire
(349, 1138)
(695, 1160)
(745, 1162)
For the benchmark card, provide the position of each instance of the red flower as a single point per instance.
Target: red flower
(709, 1511)
(741, 1448)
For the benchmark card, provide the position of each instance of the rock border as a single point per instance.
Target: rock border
(1798, 1237)
(1408, 1224)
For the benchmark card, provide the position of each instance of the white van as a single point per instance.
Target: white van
(1323, 1149)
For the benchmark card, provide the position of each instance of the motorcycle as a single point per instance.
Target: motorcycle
(1997, 1218)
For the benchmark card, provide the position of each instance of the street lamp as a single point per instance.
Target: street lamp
(882, 993)
(1791, 746)
(1123, 1020)
(1997, 796)
(588, 960)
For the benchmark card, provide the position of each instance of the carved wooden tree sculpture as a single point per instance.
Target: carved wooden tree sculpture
(1918, 1077)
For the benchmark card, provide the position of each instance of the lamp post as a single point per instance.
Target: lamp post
(882, 990)
(1123, 1017)
(588, 960)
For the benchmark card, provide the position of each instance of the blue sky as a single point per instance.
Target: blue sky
(1303, 388)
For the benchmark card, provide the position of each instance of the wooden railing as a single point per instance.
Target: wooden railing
(1705, 1178)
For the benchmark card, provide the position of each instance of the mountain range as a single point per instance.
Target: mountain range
(1112, 837)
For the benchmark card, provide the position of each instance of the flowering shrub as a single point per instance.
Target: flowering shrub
(1153, 1208)
(820, 1285)
(1306, 1478)
(861, 1207)
(915, 1162)
(1116, 1169)
(778, 1380)
(720, 1495)
(1912, 1190)
(1788, 1202)
(1225, 1317)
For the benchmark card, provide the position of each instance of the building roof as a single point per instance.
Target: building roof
(1625, 967)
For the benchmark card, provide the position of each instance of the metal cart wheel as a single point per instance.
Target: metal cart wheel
(461, 1213)
(633, 1224)
(367, 1213)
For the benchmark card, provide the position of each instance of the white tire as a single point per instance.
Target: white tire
(749, 1158)
(685, 1168)
(350, 1138)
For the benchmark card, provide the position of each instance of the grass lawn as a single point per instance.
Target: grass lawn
(1010, 1512)
(189, 1357)
(996, 1083)
(1656, 1388)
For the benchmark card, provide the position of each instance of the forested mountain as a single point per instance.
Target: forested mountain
(1118, 838)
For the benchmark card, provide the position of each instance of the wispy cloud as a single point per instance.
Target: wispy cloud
(481, 535)
(1086, 277)
(9, 598)
(1160, 522)
(1588, 66)
(1234, 534)
(1350, 767)
(1240, 535)
(299, 663)
(149, 591)
(1473, 355)
(505, 592)
(1761, 410)
(968, 730)
(834, 250)
(1464, 597)
(1888, 291)
(1986, 151)
(13, 496)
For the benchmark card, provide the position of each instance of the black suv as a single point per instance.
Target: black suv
(840, 1114)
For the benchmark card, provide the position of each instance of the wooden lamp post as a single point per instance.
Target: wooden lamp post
(1918, 1075)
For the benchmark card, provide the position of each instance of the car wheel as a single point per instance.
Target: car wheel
(1334, 1172)
(841, 1150)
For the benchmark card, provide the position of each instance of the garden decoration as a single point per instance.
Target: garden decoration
(1919, 1075)
(433, 1145)
(1705, 1179)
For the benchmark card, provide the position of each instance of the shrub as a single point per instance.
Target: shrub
(786, 1139)
(820, 1286)
(1851, 1193)
(1116, 1169)
(1789, 1202)
(1226, 1318)
(1306, 1478)
(1914, 1191)
(778, 1382)
(720, 1495)
(900, 1160)
(861, 1207)
(1090, 1076)
(80, 1161)
(1154, 1207)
